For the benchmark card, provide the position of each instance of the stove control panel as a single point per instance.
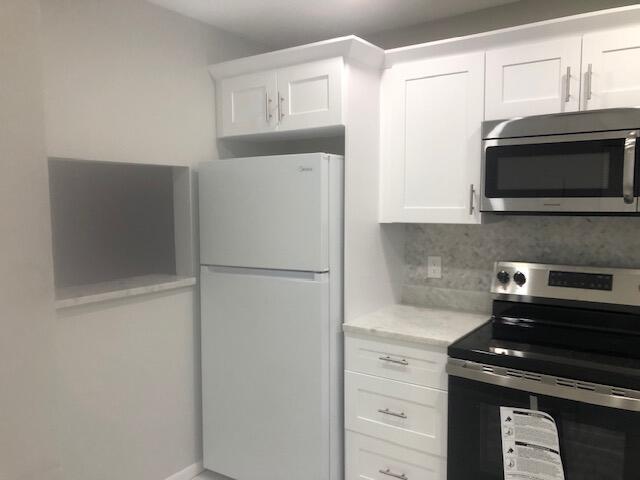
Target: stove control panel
(589, 281)
(586, 284)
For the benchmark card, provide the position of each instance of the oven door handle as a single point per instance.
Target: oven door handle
(593, 394)
(628, 172)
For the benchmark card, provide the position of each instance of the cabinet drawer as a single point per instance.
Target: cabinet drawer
(369, 458)
(401, 413)
(422, 365)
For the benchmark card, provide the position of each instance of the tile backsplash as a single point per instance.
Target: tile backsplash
(469, 251)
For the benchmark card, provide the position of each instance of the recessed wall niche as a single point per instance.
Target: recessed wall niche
(119, 229)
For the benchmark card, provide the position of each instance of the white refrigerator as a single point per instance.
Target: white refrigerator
(271, 232)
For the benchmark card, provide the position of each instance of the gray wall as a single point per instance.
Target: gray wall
(127, 81)
(517, 13)
(468, 253)
(26, 271)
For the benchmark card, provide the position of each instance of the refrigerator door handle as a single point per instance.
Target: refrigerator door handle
(264, 272)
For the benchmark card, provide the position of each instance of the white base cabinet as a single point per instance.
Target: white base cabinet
(401, 361)
(395, 410)
(370, 458)
(431, 140)
(405, 414)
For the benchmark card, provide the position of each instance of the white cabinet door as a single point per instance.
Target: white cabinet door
(431, 151)
(249, 104)
(533, 79)
(310, 95)
(611, 62)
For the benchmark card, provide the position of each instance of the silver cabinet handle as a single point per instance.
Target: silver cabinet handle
(386, 411)
(587, 82)
(267, 105)
(388, 472)
(393, 360)
(567, 95)
(280, 107)
(628, 171)
(472, 192)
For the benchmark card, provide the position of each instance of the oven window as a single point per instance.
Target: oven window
(555, 170)
(592, 451)
(596, 443)
(474, 438)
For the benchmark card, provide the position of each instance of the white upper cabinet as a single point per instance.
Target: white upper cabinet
(249, 103)
(611, 65)
(300, 97)
(310, 95)
(533, 79)
(432, 112)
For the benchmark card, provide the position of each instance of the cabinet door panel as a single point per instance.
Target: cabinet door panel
(311, 95)
(533, 79)
(432, 140)
(614, 58)
(249, 104)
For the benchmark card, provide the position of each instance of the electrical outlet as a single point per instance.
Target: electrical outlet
(434, 267)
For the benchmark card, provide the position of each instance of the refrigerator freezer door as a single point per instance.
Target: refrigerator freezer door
(266, 212)
(265, 369)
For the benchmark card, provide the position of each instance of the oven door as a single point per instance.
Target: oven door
(575, 173)
(596, 442)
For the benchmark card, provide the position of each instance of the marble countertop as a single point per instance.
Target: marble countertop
(122, 288)
(416, 324)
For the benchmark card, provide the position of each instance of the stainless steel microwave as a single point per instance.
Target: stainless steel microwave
(569, 163)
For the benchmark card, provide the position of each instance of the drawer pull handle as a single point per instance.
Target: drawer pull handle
(386, 411)
(389, 473)
(393, 360)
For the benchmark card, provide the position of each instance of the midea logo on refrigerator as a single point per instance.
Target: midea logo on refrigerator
(305, 169)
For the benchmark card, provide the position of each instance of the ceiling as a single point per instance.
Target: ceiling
(284, 23)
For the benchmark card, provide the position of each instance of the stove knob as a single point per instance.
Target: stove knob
(503, 277)
(519, 278)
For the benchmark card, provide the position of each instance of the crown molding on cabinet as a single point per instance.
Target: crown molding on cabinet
(358, 50)
(350, 47)
(563, 26)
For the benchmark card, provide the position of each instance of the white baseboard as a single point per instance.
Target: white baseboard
(188, 473)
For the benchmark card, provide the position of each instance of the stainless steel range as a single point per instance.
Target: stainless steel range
(563, 341)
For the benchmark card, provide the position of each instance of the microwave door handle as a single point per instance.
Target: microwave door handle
(628, 172)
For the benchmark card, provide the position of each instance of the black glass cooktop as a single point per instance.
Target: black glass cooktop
(588, 345)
